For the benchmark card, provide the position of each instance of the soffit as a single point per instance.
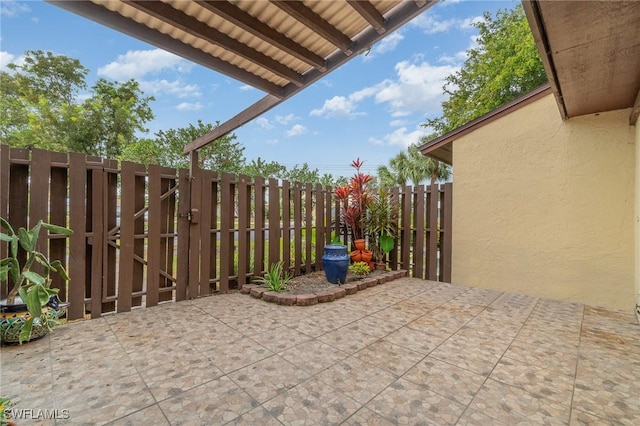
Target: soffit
(591, 52)
(279, 47)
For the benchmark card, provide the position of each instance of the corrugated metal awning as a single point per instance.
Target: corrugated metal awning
(277, 46)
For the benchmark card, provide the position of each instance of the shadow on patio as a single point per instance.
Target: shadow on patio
(406, 352)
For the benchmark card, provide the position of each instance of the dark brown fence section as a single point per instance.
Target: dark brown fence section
(143, 237)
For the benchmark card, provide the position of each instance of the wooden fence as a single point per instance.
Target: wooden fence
(147, 236)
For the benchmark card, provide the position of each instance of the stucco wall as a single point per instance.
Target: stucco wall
(637, 221)
(546, 207)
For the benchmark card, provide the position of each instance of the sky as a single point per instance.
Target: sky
(371, 108)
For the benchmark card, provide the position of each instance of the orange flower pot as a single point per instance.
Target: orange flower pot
(360, 244)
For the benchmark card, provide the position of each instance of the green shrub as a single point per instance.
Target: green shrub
(359, 268)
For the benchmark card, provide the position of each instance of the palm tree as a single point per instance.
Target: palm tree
(412, 166)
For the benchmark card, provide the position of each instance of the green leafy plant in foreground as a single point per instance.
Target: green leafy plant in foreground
(5, 406)
(359, 268)
(34, 288)
(275, 279)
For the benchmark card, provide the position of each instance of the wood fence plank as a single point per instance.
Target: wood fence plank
(194, 230)
(184, 205)
(274, 221)
(154, 239)
(446, 236)
(39, 193)
(258, 238)
(244, 223)
(297, 228)
(227, 245)
(208, 222)
(405, 249)
(110, 230)
(127, 212)
(394, 256)
(319, 226)
(98, 243)
(168, 213)
(432, 235)
(308, 226)
(139, 235)
(286, 225)
(58, 214)
(77, 240)
(419, 234)
(4, 206)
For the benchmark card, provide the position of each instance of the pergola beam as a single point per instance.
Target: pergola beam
(310, 19)
(399, 17)
(120, 23)
(370, 13)
(191, 25)
(259, 29)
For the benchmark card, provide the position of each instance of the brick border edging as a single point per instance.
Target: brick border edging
(325, 296)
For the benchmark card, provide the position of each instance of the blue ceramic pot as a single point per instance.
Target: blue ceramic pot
(335, 263)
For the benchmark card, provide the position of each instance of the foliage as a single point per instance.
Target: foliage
(381, 222)
(40, 106)
(357, 196)
(225, 154)
(34, 288)
(505, 65)
(275, 279)
(259, 167)
(359, 268)
(413, 166)
(5, 406)
(109, 119)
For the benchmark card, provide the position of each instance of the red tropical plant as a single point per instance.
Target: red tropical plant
(356, 196)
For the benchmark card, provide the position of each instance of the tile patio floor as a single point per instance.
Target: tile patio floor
(406, 352)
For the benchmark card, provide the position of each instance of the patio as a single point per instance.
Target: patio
(406, 352)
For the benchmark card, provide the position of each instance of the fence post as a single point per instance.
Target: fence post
(194, 225)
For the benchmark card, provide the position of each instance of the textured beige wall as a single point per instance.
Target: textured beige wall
(546, 207)
(637, 220)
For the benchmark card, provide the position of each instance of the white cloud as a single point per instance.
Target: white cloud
(398, 123)
(175, 88)
(138, 63)
(387, 44)
(296, 130)
(6, 58)
(417, 89)
(432, 23)
(338, 106)
(264, 123)
(189, 106)
(400, 137)
(10, 8)
(246, 88)
(285, 119)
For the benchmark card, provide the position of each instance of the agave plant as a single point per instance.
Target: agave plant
(275, 279)
(34, 288)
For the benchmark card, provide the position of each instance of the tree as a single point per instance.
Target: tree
(259, 167)
(40, 107)
(505, 65)
(110, 119)
(38, 99)
(413, 166)
(166, 149)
